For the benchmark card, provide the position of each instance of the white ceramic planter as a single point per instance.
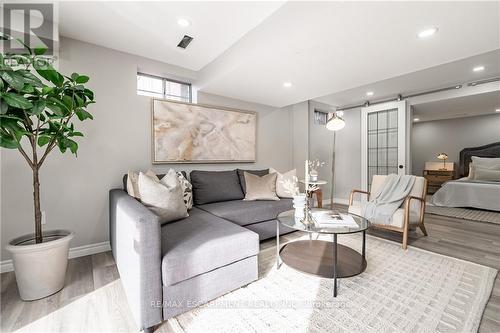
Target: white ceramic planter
(40, 268)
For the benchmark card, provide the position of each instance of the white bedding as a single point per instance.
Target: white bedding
(468, 193)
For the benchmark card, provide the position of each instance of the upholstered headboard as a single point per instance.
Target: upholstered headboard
(491, 150)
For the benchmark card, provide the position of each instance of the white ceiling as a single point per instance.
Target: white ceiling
(450, 74)
(465, 106)
(150, 29)
(247, 50)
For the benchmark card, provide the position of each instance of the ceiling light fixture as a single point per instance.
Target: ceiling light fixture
(427, 33)
(369, 93)
(497, 110)
(478, 69)
(416, 119)
(287, 84)
(458, 87)
(183, 22)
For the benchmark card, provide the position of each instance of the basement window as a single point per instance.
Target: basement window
(160, 87)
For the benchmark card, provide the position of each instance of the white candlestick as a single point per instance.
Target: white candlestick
(307, 176)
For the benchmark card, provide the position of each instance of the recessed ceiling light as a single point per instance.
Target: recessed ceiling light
(183, 22)
(416, 119)
(478, 69)
(427, 32)
(458, 87)
(287, 84)
(497, 110)
(369, 93)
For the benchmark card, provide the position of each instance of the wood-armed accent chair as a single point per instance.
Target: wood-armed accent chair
(411, 212)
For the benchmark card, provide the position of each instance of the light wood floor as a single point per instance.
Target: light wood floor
(94, 300)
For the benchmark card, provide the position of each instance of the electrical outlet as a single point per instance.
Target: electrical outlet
(43, 217)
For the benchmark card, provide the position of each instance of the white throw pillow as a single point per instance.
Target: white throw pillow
(133, 178)
(163, 197)
(286, 183)
(260, 188)
(187, 190)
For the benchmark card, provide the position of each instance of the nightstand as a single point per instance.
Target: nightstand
(436, 178)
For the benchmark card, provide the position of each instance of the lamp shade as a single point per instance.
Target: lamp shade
(335, 123)
(442, 156)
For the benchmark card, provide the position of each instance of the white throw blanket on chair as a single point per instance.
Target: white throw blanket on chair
(389, 197)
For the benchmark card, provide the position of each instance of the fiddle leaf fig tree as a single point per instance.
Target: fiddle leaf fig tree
(38, 108)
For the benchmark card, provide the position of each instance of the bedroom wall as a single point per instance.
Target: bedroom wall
(451, 136)
(75, 190)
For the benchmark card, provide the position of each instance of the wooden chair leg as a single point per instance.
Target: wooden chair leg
(405, 239)
(422, 227)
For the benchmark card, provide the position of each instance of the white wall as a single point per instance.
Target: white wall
(451, 136)
(75, 190)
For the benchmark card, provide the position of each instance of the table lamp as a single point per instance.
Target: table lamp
(444, 157)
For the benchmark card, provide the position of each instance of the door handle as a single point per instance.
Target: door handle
(401, 166)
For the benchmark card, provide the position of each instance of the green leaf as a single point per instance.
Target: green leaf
(13, 79)
(56, 109)
(40, 50)
(88, 93)
(47, 90)
(82, 114)
(74, 76)
(32, 79)
(2, 85)
(73, 146)
(43, 140)
(76, 134)
(28, 89)
(61, 105)
(68, 102)
(82, 79)
(38, 107)
(16, 101)
(3, 107)
(50, 74)
(8, 141)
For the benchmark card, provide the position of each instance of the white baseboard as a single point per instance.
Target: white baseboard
(74, 252)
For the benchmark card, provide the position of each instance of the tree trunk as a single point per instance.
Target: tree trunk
(36, 201)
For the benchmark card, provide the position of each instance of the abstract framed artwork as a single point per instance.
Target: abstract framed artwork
(195, 133)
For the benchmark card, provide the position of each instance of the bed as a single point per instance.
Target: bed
(464, 192)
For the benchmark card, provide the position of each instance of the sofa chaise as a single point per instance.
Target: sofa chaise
(171, 268)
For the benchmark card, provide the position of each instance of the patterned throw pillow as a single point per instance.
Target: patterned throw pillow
(187, 190)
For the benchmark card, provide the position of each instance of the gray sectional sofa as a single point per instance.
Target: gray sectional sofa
(171, 268)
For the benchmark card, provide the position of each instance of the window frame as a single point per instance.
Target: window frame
(164, 80)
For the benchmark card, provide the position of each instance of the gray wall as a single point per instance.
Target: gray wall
(451, 136)
(75, 190)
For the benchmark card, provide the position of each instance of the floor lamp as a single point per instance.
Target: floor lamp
(335, 123)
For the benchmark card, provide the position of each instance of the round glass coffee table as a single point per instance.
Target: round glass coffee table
(318, 257)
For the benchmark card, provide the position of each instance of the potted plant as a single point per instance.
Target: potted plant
(37, 108)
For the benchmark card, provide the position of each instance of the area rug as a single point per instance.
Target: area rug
(400, 291)
(465, 213)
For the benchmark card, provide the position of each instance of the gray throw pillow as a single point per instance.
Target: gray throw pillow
(215, 186)
(164, 197)
(261, 188)
(253, 172)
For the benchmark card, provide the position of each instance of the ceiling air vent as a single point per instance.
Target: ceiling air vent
(185, 41)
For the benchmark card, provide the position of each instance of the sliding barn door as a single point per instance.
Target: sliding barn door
(383, 145)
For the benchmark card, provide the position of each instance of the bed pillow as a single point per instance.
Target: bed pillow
(485, 165)
(164, 197)
(487, 174)
(286, 183)
(260, 188)
(187, 190)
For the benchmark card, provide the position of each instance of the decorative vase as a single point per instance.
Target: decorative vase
(313, 176)
(40, 268)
